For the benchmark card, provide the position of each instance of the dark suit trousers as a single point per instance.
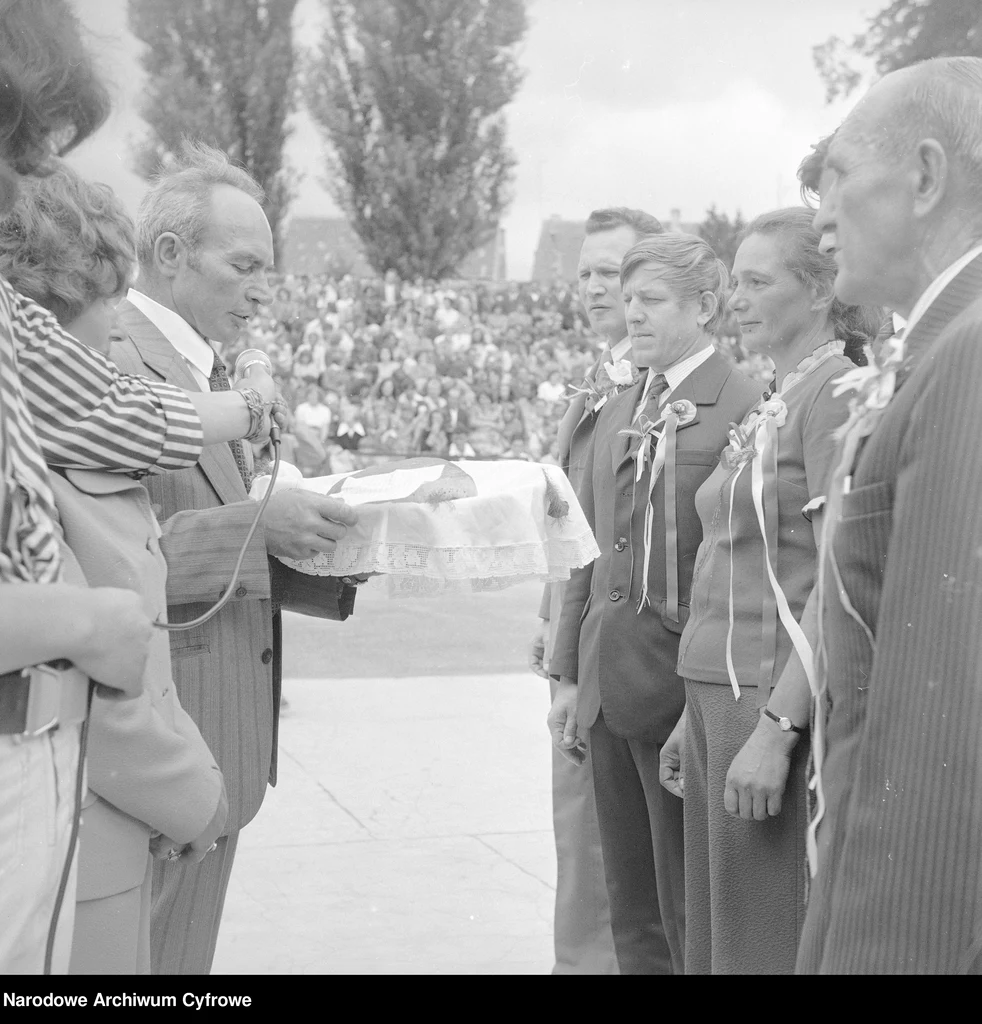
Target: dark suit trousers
(188, 900)
(641, 835)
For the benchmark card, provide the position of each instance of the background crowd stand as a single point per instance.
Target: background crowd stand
(377, 369)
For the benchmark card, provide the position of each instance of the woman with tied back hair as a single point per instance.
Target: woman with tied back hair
(69, 245)
(66, 405)
(747, 642)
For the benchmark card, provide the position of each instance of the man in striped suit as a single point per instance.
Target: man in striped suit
(204, 248)
(899, 849)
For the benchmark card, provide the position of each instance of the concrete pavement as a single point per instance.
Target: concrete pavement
(410, 831)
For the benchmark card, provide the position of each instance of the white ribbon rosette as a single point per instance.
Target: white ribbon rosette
(673, 415)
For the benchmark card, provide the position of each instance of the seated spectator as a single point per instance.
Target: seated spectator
(552, 390)
(433, 435)
(311, 427)
(486, 425)
(512, 427)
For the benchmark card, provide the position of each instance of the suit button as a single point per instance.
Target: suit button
(621, 544)
(615, 595)
(241, 592)
(267, 656)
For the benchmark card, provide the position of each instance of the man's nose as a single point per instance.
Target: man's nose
(736, 301)
(259, 291)
(597, 286)
(823, 221)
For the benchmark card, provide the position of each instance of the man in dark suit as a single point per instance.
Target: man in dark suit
(582, 937)
(898, 887)
(204, 247)
(617, 644)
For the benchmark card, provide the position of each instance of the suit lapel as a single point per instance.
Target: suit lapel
(217, 461)
(620, 419)
(957, 295)
(702, 387)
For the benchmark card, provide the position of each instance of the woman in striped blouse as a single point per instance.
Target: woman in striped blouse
(65, 405)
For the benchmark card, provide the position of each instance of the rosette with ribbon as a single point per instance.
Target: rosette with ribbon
(673, 415)
(758, 436)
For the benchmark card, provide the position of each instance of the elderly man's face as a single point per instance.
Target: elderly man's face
(867, 205)
(599, 275)
(220, 286)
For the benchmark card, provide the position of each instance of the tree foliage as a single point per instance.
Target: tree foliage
(409, 94)
(722, 233)
(901, 34)
(222, 72)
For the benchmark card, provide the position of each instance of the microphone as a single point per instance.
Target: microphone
(245, 361)
(248, 358)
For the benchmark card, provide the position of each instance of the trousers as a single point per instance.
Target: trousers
(642, 840)
(186, 912)
(37, 794)
(582, 937)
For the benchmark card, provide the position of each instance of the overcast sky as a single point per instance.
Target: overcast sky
(649, 103)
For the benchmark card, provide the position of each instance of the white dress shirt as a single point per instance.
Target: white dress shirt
(197, 353)
(674, 375)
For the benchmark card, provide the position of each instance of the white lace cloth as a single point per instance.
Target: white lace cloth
(428, 523)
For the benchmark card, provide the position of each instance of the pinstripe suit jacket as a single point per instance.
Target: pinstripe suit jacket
(227, 671)
(899, 885)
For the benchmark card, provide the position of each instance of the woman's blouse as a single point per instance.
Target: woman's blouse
(67, 405)
(733, 540)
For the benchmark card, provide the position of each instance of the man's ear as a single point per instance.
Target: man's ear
(169, 253)
(708, 304)
(930, 174)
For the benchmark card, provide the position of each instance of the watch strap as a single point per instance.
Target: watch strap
(791, 727)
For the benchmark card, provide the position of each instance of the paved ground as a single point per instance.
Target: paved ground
(410, 831)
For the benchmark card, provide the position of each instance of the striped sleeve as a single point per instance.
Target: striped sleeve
(88, 415)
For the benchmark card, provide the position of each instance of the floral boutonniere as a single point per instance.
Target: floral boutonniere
(675, 415)
(743, 437)
(874, 386)
(621, 374)
(611, 379)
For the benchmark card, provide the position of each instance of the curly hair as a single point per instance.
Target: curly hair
(66, 243)
(50, 95)
(855, 325)
(691, 268)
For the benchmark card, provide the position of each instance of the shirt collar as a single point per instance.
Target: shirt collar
(937, 286)
(674, 375)
(177, 331)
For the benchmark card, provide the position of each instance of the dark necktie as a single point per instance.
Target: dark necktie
(649, 411)
(218, 381)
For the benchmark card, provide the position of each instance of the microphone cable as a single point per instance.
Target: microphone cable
(174, 627)
(274, 437)
(83, 741)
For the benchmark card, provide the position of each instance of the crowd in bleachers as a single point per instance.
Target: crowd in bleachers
(377, 369)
